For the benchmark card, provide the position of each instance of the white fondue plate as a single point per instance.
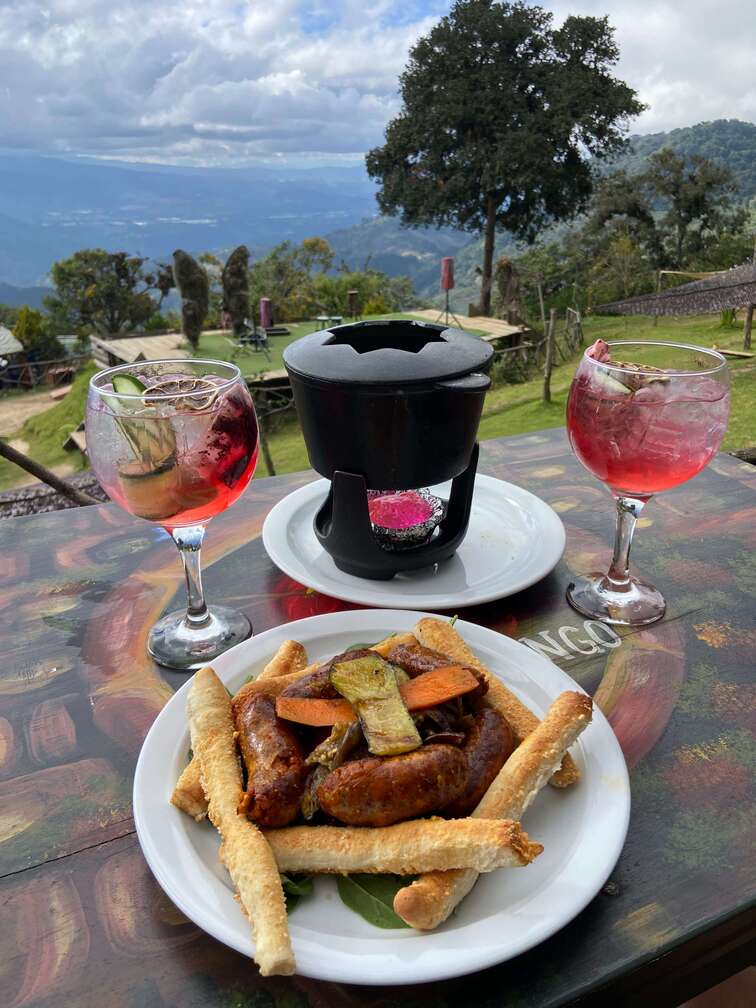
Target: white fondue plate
(513, 540)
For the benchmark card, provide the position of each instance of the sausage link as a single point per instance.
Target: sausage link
(276, 771)
(384, 790)
(488, 746)
(416, 659)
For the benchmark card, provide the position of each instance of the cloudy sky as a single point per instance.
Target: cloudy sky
(219, 81)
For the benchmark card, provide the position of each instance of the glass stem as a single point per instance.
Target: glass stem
(628, 513)
(189, 542)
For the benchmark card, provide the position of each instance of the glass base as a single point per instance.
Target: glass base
(632, 603)
(179, 644)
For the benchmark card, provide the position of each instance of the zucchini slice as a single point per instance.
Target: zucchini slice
(370, 685)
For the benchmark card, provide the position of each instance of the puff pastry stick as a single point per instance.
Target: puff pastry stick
(244, 851)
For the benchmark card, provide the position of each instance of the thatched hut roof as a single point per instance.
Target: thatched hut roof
(734, 288)
(8, 343)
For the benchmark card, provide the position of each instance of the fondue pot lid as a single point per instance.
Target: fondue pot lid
(387, 352)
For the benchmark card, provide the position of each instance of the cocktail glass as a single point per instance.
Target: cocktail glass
(177, 445)
(641, 428)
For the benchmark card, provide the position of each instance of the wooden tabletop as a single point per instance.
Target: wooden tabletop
(82, 923)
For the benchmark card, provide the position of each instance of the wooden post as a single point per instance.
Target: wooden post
(658, 291)
(749, 310)
(261, 405)
(540, 302)
(40, 472)
(549, 356)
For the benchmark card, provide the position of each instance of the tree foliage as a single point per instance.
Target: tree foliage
(679, 210)
(106, 292)
(697, 194)
(8, 315)
(33, 332)
(501, 116)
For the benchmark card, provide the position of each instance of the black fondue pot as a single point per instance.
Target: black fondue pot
(389, 405)
(397, 401)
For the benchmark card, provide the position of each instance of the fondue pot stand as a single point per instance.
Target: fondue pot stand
(391, 406)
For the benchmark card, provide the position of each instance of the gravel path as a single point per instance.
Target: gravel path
(16, 409)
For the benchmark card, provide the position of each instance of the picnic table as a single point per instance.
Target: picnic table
(83, 921)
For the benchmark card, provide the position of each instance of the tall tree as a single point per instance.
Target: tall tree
(697, 195)
(104, 291)
(501, 116)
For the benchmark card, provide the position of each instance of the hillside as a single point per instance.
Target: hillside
(729, 141)
(383, 244)
(49, 207)
(18, 296)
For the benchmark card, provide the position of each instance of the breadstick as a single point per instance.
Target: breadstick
(188, 794)
(427, 902)
(420, 845)
(290, 657)
(244, 850)
(441, 636)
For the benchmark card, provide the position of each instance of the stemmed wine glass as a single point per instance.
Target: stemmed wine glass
(175, 442)
(641, 429)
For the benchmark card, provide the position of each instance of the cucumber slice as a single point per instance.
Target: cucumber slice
(609, 384)
(126, 384)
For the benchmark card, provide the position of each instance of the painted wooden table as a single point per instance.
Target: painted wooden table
(82, 923)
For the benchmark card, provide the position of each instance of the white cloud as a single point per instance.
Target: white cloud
(230, 80)
(689, 62)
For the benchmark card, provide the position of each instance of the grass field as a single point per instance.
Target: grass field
(520, 409)
(509, 409)
(250, 362)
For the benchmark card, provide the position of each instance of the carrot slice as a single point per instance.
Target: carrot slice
(437, 686)
(428, 690)
(318, 713)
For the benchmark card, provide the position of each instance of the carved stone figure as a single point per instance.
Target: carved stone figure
(235, 293)
(193, 287)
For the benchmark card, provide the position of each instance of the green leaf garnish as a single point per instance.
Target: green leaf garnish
(372, 897)
(295, 887)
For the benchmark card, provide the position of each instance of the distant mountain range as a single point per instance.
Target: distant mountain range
(51, 206)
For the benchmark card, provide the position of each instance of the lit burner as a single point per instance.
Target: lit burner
(402, 518)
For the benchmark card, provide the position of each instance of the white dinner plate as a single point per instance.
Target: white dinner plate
(509, 911)
(513, 540)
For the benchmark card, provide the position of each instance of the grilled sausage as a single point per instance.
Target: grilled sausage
(379, 791)
(276, 772)
(488, 746)
(317, 685)
(416, 659)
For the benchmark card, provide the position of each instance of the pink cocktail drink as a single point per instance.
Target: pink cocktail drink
(641, 429)
(645, 439)
(176, 443)
(179, 469)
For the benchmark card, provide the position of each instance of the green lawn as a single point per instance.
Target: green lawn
(519, 409)
(218, 347)
(509, 409)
